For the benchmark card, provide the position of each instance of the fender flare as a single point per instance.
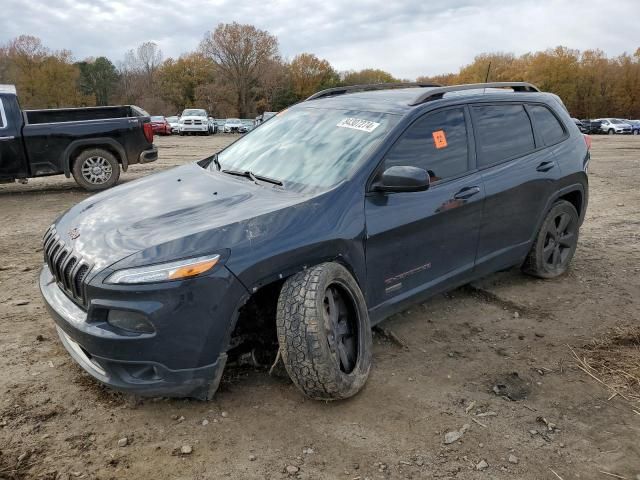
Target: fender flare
(92, 142)
(576, 187)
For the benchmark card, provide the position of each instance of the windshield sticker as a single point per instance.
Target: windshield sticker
(439, 139)
(358, 124)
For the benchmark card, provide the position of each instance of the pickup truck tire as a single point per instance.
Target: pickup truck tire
(324, 332)
(96, 169)
(555, 243)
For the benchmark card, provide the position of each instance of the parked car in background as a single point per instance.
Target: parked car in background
(635, 126)
(92, 144)
(194, 121)
(174, 121)
(614, 126)
(593, 126)
(248, 124)
(307, 243)
(234, 125)
(580, 125)
(160, 125)
(213, 126)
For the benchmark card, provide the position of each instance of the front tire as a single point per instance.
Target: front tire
(96, 169)
(555, 243)
(324, 332)
(611, 131)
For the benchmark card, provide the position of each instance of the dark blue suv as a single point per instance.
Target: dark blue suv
(301, 235)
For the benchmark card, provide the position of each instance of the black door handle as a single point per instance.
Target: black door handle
(466, 192)
(545, 166)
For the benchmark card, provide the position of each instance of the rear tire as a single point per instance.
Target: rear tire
(555, 243)
(96, 169)
(324, 332)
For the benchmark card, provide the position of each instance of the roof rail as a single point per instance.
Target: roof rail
(436, 93)
(8, 89)
(367, 88)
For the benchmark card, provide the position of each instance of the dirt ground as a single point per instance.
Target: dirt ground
(508, 329)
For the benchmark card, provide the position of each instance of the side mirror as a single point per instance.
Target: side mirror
(402, 179)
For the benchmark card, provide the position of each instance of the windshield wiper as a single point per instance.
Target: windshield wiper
(253, 176)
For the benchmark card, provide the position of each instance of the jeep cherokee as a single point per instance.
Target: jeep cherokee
(338, 212)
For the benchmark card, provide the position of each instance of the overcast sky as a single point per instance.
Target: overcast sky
(406, 38)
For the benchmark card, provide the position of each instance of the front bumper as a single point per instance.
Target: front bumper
(184, 356)
(148, 156)
(194, 128)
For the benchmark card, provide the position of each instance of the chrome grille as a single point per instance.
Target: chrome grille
(67, 267)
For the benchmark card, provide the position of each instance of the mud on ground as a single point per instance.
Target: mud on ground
(55, 422)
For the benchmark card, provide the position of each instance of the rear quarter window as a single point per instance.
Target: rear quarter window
(547, 125)
(3, 117)
(502, 132)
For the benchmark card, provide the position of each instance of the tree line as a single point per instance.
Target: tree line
(237, 70)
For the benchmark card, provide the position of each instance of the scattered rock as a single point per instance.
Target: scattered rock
(123, 442)
(252, 458)
(21, 303)
(205, 422)
(513, 459)
(533, 432)
(292, 469)
(455, 435)
(224, 414)
(307, 450)
(516, 315)
(23, 456)
(483, 465)
(40, 338)
(186, 449)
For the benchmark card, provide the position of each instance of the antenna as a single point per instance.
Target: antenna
(486, 80)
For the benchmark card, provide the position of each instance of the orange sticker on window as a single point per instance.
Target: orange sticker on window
(439, 139)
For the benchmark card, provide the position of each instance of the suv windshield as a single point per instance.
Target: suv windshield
(307, 148)
(194, 113)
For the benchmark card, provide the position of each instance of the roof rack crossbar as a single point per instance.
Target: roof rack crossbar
(436, 93)
(367, 88)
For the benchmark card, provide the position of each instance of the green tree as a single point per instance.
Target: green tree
(367, 76)
(99, 78)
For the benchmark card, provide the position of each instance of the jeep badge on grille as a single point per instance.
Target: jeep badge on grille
(74, 233)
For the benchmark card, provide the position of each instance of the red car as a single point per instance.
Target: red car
(160, 126)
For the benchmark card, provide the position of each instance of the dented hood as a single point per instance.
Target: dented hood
(182, 212)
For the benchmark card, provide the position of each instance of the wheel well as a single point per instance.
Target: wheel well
(575, 198)
(81, 148)
(254, 339)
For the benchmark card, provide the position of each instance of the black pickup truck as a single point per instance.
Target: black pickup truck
(92, 144)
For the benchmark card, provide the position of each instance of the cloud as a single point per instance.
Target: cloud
(406, 38)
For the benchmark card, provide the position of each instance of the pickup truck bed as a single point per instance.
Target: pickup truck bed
(36, 143)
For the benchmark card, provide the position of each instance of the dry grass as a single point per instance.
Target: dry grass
(614, 361)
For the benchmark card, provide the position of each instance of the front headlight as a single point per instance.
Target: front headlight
(163, 272)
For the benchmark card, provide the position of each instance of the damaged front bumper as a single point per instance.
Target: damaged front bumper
(184, 355)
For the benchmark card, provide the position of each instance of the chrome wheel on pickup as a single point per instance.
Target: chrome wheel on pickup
(96, 169)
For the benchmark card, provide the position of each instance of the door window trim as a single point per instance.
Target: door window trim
(471, 149)
(3, 116)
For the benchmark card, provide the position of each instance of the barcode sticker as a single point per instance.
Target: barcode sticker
(358, 124)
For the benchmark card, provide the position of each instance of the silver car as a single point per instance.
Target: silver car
(613, 126)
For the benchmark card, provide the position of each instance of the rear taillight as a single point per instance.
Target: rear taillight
(148, 132)
(587, 140)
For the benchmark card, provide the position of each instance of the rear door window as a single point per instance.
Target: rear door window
(502, 132)
(547, 125)
(436, 142)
